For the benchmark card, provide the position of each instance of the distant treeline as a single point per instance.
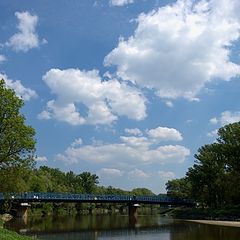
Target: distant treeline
(46, 179)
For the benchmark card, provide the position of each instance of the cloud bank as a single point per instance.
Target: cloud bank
(129, 151)
(177, 49)
(82, 97)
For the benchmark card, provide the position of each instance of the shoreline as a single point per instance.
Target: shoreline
(217, 222)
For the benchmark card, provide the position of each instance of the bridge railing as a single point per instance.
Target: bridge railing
(51, 197)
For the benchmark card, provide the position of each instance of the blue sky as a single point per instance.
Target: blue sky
(126, 89)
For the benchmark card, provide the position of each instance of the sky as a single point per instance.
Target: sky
(125, 89)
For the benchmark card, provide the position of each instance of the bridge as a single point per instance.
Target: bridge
(24, 199)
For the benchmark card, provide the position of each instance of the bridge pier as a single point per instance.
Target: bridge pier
(22, 210)
(132, 210)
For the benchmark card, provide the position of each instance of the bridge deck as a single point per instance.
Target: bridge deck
(73, 197)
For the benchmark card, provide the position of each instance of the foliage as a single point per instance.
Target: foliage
(178, 188)
(9, 235)
(88, 181)
(142, 192)
(17, 142)
(214, 179)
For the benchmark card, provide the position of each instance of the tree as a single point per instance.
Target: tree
(88, 181)
(179, 187)
(142, 192)
(215, 175)
(17, 143)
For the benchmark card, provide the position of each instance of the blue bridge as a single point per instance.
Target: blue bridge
(23, 200)
(93, 198)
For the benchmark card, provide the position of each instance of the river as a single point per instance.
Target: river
(117, 227)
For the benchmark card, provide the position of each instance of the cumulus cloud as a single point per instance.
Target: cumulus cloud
(103, 101)
(133, 131)
(27, 37)
(110, 172)
(213, 133)
(165, 134)
(41, 159)
(177, 49)
(77, 142)
(226, 117)
(129, 151)
(137, 173)
(2, 59)
(21, 91)
(120, 3)
(213, 120)
(166, 175)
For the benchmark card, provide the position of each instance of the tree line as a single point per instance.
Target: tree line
(214, 179)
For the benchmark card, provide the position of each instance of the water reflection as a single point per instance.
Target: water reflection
(121, 227)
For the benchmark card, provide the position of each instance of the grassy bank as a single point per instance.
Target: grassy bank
(230, 214)
(9, 235)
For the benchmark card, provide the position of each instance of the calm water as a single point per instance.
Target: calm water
(121, 227)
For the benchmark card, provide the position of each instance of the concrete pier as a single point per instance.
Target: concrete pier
(22, 210)
(132, 210)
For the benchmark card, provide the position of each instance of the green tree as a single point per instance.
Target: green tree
(214, 177)
(179, 187)
(208, 175)
(17, 143)
(142, 192)
(88, 181)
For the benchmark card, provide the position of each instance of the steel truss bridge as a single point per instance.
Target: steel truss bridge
(30, 197)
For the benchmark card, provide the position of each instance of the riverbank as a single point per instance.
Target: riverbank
(207, 214)
(216, 222)
(9, 235)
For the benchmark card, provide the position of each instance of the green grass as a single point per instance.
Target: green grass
(9, 235)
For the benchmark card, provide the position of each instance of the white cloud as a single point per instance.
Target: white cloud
(77, 142)
(2, 58)
(27, 37)
(166, 175)
(104, 100)
(213, 133)
(136, 142)
(165, 134)
(41, 159)
(133, 131)
(228, 117)
(67, 111)
(120, 3)
(169, 104)
(110, 172)
(178, 49)
(137, 173)
(24, 93)
(213, 120)
(129, 151)
(44, 115)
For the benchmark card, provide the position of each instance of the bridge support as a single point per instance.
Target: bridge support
(132, 210)
(22, 210)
